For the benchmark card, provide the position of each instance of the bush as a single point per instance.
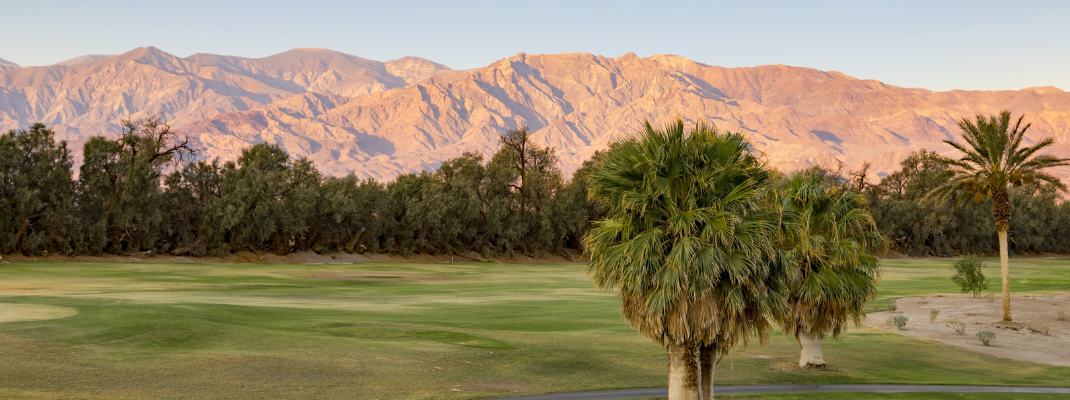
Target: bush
(986, 337)
(968, 275)
(1063, 316)
(933, 314)
(900, 321)
(958, 326)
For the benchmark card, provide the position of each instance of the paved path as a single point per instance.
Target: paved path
(769, 389)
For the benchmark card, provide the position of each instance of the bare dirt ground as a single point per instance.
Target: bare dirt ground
(1037, 335)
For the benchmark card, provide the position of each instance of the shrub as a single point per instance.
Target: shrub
(986, 337)
(1063, 316)
(958, 326)
(900, 321)
(933, 314)
(892, 307)
(968, 275)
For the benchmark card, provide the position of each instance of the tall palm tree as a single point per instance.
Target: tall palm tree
(993, 160)
(684, 243)
(827, 238)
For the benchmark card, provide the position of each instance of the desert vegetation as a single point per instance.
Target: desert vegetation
(994, 159)
(147, 191)
(685, 244)
(827, 244)
(969, 276)
(704, 245)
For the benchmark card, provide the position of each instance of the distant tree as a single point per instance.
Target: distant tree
(684, 242)
(1031, 227)
(859, 178)
(827, 241)
(119, 197)
(194, 202)
(573, 211)
(993, 160)
(530, 176)
(407, 227)
(933, 227)
(348, 218)
(36, 192)
(268, 200)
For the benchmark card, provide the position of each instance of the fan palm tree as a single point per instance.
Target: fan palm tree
(826, 239)
(993, 160)
(684, 244)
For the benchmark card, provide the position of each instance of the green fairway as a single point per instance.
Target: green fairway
(393, 331)
(903, 396)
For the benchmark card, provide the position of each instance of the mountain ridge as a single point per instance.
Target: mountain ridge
(380, 118)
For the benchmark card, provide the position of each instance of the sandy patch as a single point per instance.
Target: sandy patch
(11, 312)
(1038, 336)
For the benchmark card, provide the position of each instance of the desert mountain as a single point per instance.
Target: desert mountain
(379, 119)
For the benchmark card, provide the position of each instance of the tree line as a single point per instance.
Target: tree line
(961, 224)
(144, 192)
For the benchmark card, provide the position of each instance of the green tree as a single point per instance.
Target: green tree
(119, 192)
(993, 160)
(36, 192)
(968, 276)
(827, 239)
(528, 176)
(927, 228)
(572, 211)
(268, 201)
(685, 243)
(460, 204)
(348, 218)
(194, 202)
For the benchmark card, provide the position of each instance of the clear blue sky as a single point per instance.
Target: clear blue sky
(930, 44)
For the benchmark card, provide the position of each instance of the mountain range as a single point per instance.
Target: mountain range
(380, 119)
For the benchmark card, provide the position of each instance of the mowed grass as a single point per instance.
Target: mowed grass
(903, 396)
(403, 331)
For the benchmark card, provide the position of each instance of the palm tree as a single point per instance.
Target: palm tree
(827, 238)
(993, 160)
(684, 243)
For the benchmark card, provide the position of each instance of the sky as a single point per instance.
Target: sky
(938, 45)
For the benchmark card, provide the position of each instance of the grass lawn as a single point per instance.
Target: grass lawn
(393, 331)
(903, 396)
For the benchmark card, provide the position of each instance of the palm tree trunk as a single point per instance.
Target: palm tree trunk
(1001, 212)
(810, 356)
(683, 373)
(1005, 273)
(707, 355)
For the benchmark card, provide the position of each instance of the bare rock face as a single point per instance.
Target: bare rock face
(380, 119)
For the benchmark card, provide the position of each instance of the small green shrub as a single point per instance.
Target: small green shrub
(969, 277)
(892, 307)
(958, 326)
(986, 337)
(933, 314)
(899, 321)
